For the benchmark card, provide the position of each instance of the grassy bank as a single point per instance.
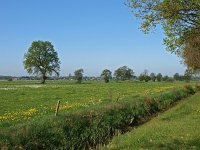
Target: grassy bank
(178, 128)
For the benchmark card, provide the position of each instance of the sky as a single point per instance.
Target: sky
(90, 34)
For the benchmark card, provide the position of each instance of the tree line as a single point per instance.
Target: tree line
(124, 73)
(42, 59)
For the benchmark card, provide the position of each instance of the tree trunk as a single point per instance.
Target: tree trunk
(43, 79)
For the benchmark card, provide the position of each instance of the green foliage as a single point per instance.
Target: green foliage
(78, 75)
(87, 129)
(144, 76)
(180, 19)
(153, 77)
(42, 59)
(159, 77)
(124, 73)
(106, 75)
(176, 76)
(191, 53)
(165, 78)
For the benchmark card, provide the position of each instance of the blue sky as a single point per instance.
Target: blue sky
(90, 34)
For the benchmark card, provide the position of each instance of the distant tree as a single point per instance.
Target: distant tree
(124, 73)
(176, 76)
(141, 77)
(42, 59)
(78, 75)
(10, 79)
(106, 75)
(159, 77)
(165, 78)
(129, 74)
(147, 78)
(153, 77)
(144, 76)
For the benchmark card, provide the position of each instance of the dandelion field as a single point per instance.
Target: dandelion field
(22, 101)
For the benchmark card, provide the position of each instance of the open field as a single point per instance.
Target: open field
(178, 128)
(90, 114)
(24, 100)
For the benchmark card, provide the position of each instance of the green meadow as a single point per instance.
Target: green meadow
(94, 112)
(24, 100)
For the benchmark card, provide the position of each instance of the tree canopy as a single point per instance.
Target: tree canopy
(106, 75)
(78, 75)
(145, 76)
(124, 73)
(179, 18)
(42, 59)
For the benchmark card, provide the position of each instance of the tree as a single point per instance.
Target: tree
(144, 76)
(42, 59)
(78, 75)
(180, 19)
(188, 75)
(106, 75)
(176, 76)
(153, 77)
(165, 78)
(159, 77)
(191, 54)
(124, 73)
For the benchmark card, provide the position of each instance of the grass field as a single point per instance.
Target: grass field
(94, 111)
(24, 100)
(178, 128)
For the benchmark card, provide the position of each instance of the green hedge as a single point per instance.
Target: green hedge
(92, 128)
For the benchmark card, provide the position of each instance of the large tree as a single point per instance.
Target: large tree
(78, 75)
(42, 59)
(106, 75)
(180, 19)
(124, 73)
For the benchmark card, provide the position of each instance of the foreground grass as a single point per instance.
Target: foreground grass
(22, 101)
(178, 128)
